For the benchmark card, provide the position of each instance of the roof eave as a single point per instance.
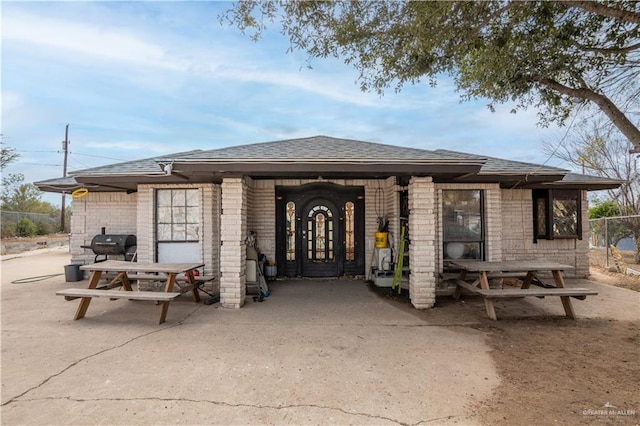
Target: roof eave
(586, 185)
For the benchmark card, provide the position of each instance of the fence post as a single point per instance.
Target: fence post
(606, 242)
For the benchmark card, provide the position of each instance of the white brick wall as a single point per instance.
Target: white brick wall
(146, 223)
(233, 232)
(115, 211)
(422, 249)
(517, 225)
(261, 215)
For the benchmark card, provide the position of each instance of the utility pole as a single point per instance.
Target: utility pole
(65, 148)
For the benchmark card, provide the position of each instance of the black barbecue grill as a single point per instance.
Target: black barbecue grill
(113, 244)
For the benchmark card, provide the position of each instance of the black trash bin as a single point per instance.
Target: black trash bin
(72, 273)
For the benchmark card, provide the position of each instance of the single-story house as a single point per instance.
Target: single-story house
(315, 204)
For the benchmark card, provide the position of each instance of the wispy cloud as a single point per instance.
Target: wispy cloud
(141, 78)
(109, 43)
(113, 49)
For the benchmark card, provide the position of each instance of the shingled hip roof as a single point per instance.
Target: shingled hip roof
(313, 157)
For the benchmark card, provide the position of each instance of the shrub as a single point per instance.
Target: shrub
(44, 228)
(26, 228)
(8, 230)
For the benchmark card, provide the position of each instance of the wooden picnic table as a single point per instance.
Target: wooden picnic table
(525, 270)
(165, 272)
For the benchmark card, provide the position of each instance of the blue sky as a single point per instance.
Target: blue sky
(140, 79)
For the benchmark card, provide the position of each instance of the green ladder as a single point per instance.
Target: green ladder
(397, 275)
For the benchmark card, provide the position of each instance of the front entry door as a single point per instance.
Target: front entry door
(320, 248)
(320, 230)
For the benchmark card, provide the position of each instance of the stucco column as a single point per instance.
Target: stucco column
(233, 231)
(422, 250)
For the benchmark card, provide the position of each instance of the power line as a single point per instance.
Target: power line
(98, 156)
(79, 162)
(74, 153)
(561, 141)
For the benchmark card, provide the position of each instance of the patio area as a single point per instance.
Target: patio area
(314, 352)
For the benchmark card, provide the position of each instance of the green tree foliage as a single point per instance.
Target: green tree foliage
(605, 208)
(24, 197)
(546, 54)
(616, 229)
(7, 155)
(18, 196)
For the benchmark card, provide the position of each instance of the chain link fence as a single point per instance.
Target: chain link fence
(10, 221)
(618, 231)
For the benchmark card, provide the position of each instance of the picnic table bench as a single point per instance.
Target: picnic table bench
(527, 271)
(77, 293)
(122, 269)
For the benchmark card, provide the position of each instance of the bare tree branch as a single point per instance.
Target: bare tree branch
(604, 10)
(609, 50)
(616, 116)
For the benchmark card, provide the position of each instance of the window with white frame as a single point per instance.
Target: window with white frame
(178, 215)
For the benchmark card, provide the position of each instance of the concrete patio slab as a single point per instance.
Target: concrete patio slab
(314, 352)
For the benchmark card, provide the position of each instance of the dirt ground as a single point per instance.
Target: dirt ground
(598, 271)
(21, 244)
(556, 370)
(559, 371)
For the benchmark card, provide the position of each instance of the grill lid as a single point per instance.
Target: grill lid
(112, 243)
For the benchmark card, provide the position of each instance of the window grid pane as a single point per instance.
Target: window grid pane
(178, 215)
(565, 218)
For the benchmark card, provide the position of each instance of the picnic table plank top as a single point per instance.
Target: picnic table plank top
(510, 265)
(123, 266)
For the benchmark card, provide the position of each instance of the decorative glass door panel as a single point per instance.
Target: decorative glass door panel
(320, 219)
(349, 232)
(320, 234)
(291, 231)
